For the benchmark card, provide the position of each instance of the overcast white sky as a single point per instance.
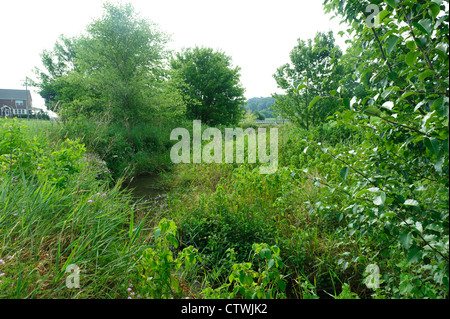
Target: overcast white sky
(258, 35)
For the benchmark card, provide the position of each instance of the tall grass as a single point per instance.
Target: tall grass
(46, 226)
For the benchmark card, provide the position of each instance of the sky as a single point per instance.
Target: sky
(258, 35)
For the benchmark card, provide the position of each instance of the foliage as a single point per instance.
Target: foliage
(244, 282)
(249, 120)
(143, 149)
(263, 105)
(313, 71)
(116, 70)
(159, 270)
(398, 177)
(55, 212)
(211, 89)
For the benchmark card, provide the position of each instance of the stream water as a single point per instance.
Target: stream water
(147, 187)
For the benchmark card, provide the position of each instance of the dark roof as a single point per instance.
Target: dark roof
(15, 95)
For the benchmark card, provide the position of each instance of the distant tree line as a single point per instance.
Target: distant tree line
(261, 107)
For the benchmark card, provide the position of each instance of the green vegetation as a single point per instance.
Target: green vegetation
(358, 208)
(261, 106)
(314, 69)
(210, 86)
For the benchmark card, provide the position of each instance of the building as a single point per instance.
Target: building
(15, 102)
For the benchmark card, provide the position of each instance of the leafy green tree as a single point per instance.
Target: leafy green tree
(312, 73)
(118, 69)
(400, 172)
(123, 56)
(58, 63)
(211, 90)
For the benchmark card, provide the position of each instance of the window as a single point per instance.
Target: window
(19, 103)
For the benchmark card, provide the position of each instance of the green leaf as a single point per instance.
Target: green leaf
(425, 74)
(383, 14)
(281, 285)
(380, 200)
(405, 95)
(433, 145)
(387, 92)
(441, 106)
(442, 49)
(393, 3)
(390, 43)
(434, 9)
(270, 263)
(265, 253)
(414, 255)
(346, 103)
(344, 173)
(425, 26)
(314, 101)
(157, 233)
(406, 239)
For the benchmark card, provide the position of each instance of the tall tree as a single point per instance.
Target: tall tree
(212, 89)
(118, 68)
(312, 73)
(123, 55)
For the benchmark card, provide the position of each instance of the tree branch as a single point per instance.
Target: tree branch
(427, 58)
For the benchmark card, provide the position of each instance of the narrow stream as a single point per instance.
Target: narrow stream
(147, 187)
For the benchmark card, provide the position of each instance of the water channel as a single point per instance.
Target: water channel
(147, 187)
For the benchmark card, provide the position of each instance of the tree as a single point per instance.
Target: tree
(400, 170)
(58, 64)
(211, 89)
(117, 69)
(313, 72)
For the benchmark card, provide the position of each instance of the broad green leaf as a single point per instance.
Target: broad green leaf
(425, 26)
(393, 3)
(425, 74)
(414, 255)
(441, 106)
(265, 253)
(380, 199)
(387, 92)
(344, 173)
(157, 233)
(411, 57)
(438, 165)
(405, 95)
(406, 239)
(442, 49)
(314, 101)
(433, 145)
(373, 110)
(383, 14)
(281, 285)
(346, 103)
(390, 43)
(434, 9)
